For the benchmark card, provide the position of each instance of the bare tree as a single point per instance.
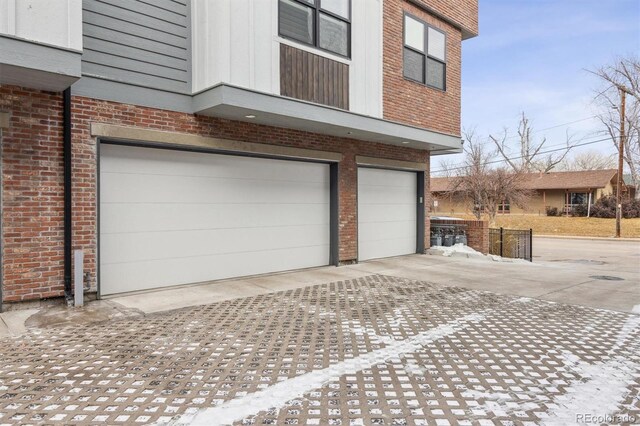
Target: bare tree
(625, 72)
(484, 187)
(529, 157)
(588, 160)
(446, 167)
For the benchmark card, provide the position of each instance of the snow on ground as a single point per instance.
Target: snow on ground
(462, 250)
(280, 394)
(602, 386)
(600, 391)
(456, 249)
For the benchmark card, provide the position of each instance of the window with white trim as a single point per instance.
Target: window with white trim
(425, 53)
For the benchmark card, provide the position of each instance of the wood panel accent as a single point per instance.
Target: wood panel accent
(313, 78)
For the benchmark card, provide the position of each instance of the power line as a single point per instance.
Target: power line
(515, 158)
(503, 160)
(536, 131)
(558, 125)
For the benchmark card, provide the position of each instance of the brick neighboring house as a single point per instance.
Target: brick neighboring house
(562, 190)
(175, 142)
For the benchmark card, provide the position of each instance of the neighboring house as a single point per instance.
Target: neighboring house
(629, 185)
(562, 190)
(176, 141)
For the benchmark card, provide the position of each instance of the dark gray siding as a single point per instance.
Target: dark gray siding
(141, 42)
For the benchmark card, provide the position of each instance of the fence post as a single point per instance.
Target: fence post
(530, 244)
(501, 244)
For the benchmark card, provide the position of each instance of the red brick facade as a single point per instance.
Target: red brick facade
(410, 102)
(32, 195)
(477, 232)
(33, 192)
(463, 13)
(32, 152)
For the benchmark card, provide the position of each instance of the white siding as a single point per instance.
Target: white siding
(171, 217)
(55, 22)
(239, 45)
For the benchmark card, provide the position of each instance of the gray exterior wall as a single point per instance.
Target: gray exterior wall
(140, 42)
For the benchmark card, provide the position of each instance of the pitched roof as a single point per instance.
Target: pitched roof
(552, 180)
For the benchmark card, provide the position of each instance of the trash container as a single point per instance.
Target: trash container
(448, 239)
(436, 239)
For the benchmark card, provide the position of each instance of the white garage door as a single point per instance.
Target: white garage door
(387, 211)
(174, 217)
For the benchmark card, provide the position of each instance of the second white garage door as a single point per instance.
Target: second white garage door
(387, 212)
(174, 217)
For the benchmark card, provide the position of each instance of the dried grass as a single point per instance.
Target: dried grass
(569, 226)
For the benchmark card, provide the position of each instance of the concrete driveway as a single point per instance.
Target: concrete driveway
(415, 340)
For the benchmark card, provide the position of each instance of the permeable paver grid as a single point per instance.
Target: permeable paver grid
(377, 350)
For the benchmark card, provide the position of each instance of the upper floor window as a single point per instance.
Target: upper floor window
(425, 53)
(325, 24)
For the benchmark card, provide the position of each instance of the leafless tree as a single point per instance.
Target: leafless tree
(624, 72)
(485, 187)
(529, 156)
(588, 160)
(446, 167)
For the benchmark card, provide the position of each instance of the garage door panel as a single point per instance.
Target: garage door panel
(398, 212)
(171, 272)
(142, 217)
(133, 247)
(394, 195)
(388, 231)
(387, 213)
(169, 217)
(388, 178)
(387, 248)
(160, 162)
(202, 190)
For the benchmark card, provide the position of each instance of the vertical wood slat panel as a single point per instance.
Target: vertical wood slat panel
(313, 78)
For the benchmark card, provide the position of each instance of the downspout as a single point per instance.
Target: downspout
(68, 206)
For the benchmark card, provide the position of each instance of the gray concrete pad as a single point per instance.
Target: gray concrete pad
(13, 322)
(563, 270)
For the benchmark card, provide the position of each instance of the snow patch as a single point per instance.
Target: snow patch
(636, 309)
(627, 328)
(600, 391)
(456, 249)
(278, 395)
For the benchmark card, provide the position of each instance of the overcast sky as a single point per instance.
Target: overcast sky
(532, 56)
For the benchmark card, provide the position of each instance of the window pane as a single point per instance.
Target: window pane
(296, 21)
(339, 7)
(333, 35)
(579, 198)
(435, 74)
(436, 44)
(414, 33)
(413, 65)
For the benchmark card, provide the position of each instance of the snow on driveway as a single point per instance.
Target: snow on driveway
(368, 351)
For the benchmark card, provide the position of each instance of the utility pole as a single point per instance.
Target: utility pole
(623, 92)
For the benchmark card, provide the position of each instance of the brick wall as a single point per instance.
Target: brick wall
(463, 12)
(32, 157)
(413, 103)
(477, 232)
(32, 195)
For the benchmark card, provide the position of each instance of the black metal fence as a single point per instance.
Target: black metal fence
(511, 243)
